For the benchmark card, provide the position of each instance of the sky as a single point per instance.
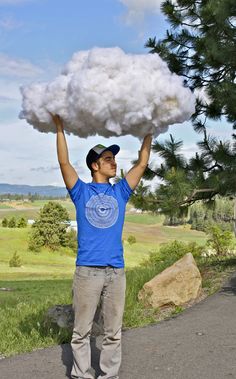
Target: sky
(37, 38)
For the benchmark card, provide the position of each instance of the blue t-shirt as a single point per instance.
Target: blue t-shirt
(100, 213)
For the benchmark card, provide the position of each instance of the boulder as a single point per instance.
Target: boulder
(176, 285)
(63, 316)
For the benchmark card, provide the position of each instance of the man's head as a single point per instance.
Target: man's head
(102, 159)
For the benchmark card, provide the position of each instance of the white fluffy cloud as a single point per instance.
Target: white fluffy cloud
(110, 93)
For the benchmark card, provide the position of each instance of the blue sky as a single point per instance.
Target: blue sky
(37, 38)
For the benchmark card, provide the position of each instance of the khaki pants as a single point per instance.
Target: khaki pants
(90, 284)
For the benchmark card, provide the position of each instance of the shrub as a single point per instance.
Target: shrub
(15, 261)
(221, 241)
(131, 239)
(71, 240)
(36, 241)
(5, 222)
(22, 223)
(171, 252)
(12, 222)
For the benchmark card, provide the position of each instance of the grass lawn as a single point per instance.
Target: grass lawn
(45, 279)
(144, 218)
(22, 326)
(60, 264)
(46, 264)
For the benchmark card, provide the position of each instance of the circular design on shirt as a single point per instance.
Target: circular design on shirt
(102, 211)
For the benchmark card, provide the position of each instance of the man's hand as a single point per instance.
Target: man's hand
(57, 121)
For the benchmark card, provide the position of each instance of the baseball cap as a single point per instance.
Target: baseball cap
(97, 151)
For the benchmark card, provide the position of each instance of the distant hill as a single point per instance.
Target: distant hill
(18, 189)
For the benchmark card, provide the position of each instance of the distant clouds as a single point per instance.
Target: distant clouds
(137, 9)
(17, 67)
(45, 169)
(9, 23)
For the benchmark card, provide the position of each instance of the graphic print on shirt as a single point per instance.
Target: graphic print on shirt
(102, 211)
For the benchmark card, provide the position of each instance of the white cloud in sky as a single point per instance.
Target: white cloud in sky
(137, 9)
(15, 72)
(29, 157)
(17, 67)
(8, 23)
(9, 89)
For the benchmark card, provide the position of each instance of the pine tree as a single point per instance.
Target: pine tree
(5, 222)
(22, 223)
(12, 222)
(201, 47)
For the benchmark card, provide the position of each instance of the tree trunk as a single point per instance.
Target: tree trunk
(235, 216)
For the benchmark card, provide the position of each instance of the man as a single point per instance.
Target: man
(99, 274)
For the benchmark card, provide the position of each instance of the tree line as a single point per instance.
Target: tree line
(30, 197)
(14, 223)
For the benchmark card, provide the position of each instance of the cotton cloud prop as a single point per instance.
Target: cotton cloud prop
(107, 92)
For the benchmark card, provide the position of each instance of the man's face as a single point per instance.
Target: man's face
(107, 165)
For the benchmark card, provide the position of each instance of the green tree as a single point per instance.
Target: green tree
(71, 240)
(200, 45)
(50, 227)
(12, 222)
(5, 222)
(142, 197)
(15, 261)
(22, 223)
(36, 240)
(131, 239)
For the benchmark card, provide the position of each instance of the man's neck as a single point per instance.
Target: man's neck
(100, 180)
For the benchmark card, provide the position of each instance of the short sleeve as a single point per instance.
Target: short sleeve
(125, 189)
(76, 191)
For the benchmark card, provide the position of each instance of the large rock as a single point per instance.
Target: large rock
(63, 316)
(176, 285)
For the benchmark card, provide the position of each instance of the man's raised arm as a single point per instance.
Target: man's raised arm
(68, 172)
(136, 172)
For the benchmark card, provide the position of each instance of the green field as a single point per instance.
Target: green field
(45, 278)
(60, 264)
(46, 264)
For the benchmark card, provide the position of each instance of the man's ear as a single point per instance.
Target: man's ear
(95, 166)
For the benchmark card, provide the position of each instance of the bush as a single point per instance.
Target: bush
(131, 239)
(171, 252)
(12, 223)
(15, 261)
(36, 241)
(22, 223)
(5, 222)
(221, 241)
(71, 240)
